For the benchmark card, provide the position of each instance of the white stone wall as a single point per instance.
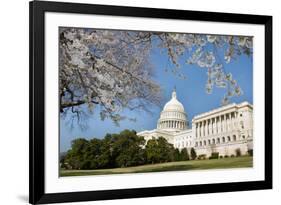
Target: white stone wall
(184, 139)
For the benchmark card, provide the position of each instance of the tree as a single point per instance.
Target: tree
(75, 157)
(111, 69)
(193, 153)
(159, 150)
(114, 150)
(165, 149)
(93, 154)
(106, 158)
(184, 154)
(177, 155)
(152, 151)
(128, 149)
(103, 68)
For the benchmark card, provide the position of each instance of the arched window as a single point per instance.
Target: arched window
(218, 140)
(209, 142)
(243, 137)
(213, 141)
(196, 144)
(234, 137)
(223, 139)
(205, 143)
(200, 143)
(228, 138)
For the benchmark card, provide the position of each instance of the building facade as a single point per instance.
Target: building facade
(225, 130)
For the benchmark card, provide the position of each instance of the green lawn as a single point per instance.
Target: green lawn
(237, 162)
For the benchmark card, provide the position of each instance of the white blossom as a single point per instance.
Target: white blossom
(112, 69)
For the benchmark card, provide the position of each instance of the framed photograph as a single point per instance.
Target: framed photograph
(130, 102)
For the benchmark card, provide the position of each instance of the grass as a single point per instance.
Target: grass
(236, 162)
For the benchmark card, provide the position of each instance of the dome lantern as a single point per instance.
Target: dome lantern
(174, 94)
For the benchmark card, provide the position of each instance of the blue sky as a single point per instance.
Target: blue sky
(190, 92)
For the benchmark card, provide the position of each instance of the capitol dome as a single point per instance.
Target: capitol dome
(173, 116)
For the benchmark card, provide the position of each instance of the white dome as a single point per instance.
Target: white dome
(173, 116)
(173, 104)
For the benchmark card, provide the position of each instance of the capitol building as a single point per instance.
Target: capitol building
(224, 130)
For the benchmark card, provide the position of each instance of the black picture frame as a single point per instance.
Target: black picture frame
(37, 9)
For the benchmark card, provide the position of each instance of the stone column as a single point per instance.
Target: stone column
(235, 120)
(215, 125)
(222, 122)
(206, 128)
(232, 121)
(229, 122)
(218, 124)
(221, 125)
(202, 129)
(199, 132)
(210, 126)
(225, 123)
(196, 130)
